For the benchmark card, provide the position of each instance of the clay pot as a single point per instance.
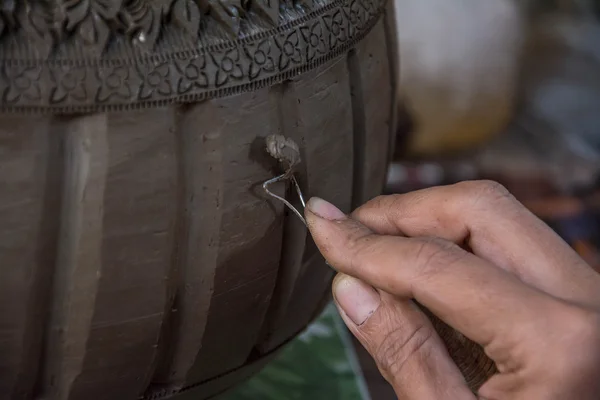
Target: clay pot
(139, 255)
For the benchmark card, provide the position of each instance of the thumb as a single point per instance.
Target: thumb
(402, 341)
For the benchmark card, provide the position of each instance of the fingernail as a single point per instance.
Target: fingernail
(324, 209)
(357, 299)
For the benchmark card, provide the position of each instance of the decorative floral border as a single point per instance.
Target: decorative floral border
(53, 86)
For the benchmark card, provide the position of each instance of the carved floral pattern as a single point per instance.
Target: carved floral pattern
(261, 59)
(197, 73)
(114, 85)
(335, 27)
(69, 85)
(228, 67)
(313, 36)
(23, 83)
(289, 50)
(192, 75)
(155, 79)
(355, 15)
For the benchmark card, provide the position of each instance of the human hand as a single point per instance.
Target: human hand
(480, 261)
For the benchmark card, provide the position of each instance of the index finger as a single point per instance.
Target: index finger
(495, 226)
(470, 294)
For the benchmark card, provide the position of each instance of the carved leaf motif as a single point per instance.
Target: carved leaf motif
(91, 19)
(235, 7)
(107, 9)
(306, 4)
(94, 31)
(76, 11)
(8, 8)
(7, 15)
(37, 18)
(198, 72)
(268, 8)
(227, 13)
(34, 21)
(186, 14)
(143, 19)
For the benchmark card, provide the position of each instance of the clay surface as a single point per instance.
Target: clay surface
(139, 257)
(283, 149)
(88, 55)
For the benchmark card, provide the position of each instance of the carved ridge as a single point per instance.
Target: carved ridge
(216, 70)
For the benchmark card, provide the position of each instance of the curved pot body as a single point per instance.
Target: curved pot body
(139, 255)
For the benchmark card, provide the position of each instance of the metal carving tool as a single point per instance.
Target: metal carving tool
(287, 152)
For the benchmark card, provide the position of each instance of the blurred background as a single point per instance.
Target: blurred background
(488, 89)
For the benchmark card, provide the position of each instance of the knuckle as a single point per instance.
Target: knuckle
(433, 255)
(381, 203)
(576, 342)
(491, 189)
(486, 191)
(397, 348)
(581, 329)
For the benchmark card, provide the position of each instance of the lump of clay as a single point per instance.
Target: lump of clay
(283, 149)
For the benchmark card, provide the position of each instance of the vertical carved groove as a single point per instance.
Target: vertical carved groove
(46, 256)
(249, 237)
(284, 98)
(394, 71)
(200, 164)
(78, 261)
(359, 130)
(29, 198)
(169, 327)
(371, 98)
(321, 103)
(330, 101)
(144, 257)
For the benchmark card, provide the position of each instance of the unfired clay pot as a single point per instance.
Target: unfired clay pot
(139, 256)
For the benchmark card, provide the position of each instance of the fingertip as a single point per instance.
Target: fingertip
(324, 221)
(357, 299)
(336, 281)
(324, 209)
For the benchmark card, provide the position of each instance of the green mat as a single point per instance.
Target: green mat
(320, 364)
